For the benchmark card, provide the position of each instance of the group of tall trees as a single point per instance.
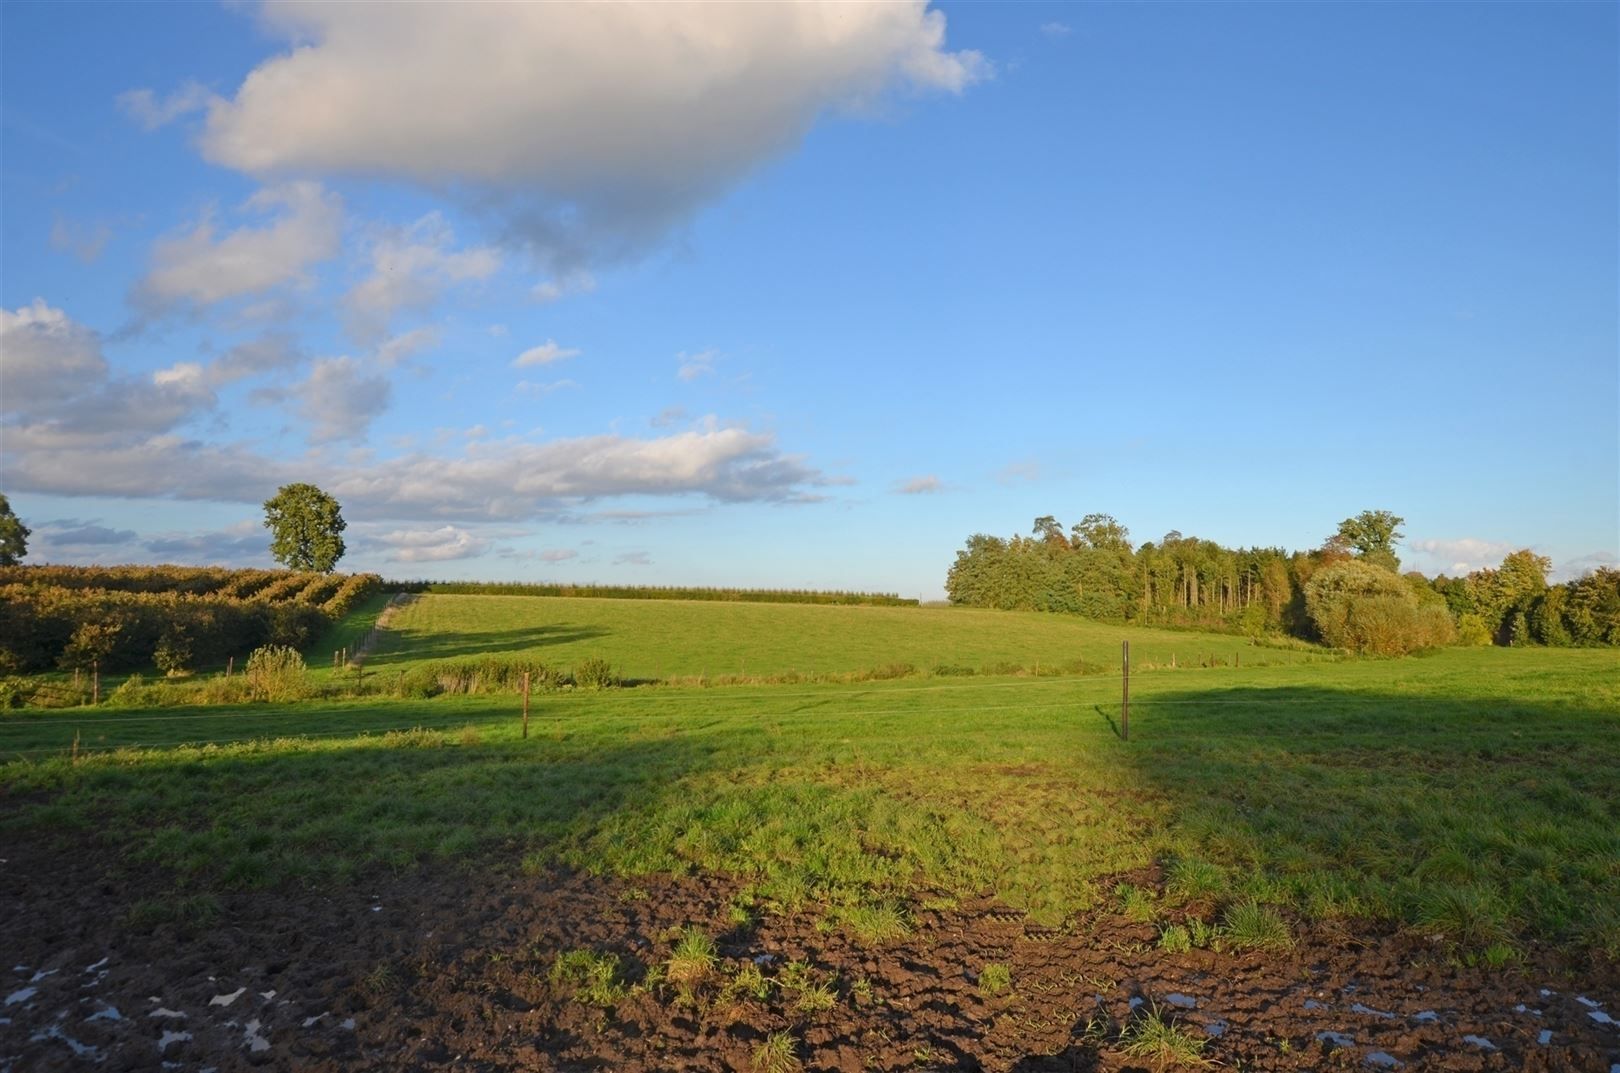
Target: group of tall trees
(1093, 569)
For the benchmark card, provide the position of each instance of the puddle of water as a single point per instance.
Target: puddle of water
(1215, 1029)
(1312, 1004)
(81, 1050)
(162, 1011)
(1602, 1018)
(170, 1038)
(254, 1039)
(1522, 1008)
(1545, 1037)
(267, 995)
(21, 995)
(1368, 1010)
(41, 974)
(348, 1023)
(1427, 1017)
(1383, 1060)
(311, 1021)
(226, 1000)
(1180, 1001)
(1582, 999)
(1480, 1042)
(98, 965)
(1338, 1039)
(1135, 1002)
(106, 1013)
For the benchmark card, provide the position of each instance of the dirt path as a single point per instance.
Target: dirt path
(451, 969)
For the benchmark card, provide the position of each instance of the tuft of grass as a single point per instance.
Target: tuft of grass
(189, 912)
(594, 977)
(692, 961)
(995, 979)
(1196, 880)
(1175, 939)
(750, 981)
(777, 1053)
(1135, 902)
(1250, 925)
(1467, 915)
(380, 980)
(875, 924)
(1153, 1039)
(813, 998)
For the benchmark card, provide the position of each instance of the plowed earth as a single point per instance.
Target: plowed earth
(450, 969)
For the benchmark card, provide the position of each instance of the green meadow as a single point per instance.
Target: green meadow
(654, 640)
(1473, 792)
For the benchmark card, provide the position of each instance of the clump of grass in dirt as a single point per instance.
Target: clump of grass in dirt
(777, 1053)
(1252, 926)
(1469, 916)
(380, 980)
(748, 980)
(1152, 1038)
(188, 912)
(1135, 902)
(1175, 939)
(861, 991)
(874, 924)
(995, 979)
(594, 977)
(1195, 880)
(692, 961)
(811, 993)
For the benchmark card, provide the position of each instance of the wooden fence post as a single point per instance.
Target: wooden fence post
(525, 705)
(1125, 695)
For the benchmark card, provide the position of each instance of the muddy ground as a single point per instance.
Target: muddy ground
(450, 969)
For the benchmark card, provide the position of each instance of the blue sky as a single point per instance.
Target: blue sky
(774, 296)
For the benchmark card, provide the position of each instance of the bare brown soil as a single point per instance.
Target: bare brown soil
(449, 969)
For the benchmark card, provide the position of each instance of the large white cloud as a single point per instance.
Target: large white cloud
(203, 266)
(594, 123)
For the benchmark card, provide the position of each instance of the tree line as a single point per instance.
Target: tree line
(1349, 592)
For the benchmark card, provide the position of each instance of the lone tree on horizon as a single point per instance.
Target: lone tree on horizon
(13, 535)
(306, 528)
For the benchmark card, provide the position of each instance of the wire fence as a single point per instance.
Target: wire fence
(1096, 702)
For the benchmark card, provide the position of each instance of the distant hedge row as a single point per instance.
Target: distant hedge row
(202, 618)
(653, 592)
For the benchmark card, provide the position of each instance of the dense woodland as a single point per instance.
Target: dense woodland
(1094, 570)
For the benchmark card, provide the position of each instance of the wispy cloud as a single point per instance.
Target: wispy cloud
(693, 366)
(544, 354)
(924, 485)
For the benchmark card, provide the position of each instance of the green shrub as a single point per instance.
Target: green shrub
(276, 673)
(1472, 630)
(595, 672)
(1371, 611)
(173, 652)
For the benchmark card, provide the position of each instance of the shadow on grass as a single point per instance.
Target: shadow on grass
(409, 646)
(1483, 818)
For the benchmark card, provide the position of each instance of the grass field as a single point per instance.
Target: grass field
(657, 640)
(1473, 792)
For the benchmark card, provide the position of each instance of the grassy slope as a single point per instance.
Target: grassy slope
(649, 639)
(1476, 792)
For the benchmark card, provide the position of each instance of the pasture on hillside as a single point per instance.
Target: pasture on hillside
(650, 640)
(1371, 858)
